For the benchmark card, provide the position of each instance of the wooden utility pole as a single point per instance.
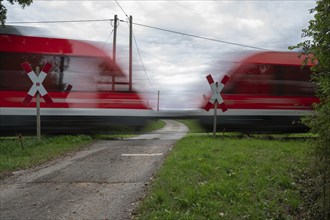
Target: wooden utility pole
(130, 51)
(114, 49)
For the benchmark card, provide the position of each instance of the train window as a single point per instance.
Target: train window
(261, 79)
(13, 77)
(250, 79)
(83, 73)
(292, 81)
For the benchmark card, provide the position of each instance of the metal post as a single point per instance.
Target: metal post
(130, 51)
(38, 108)
(215, 118)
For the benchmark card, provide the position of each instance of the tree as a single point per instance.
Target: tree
(3, 9)
(318, 44)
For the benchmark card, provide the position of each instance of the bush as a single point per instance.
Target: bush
(318, 44)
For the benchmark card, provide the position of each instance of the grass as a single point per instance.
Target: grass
(20, 153)
(150, 126)
(153, 125)
(193, 125)
(25, 152)
(203, 177)
(229, 178)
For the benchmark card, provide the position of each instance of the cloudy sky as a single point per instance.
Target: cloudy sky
(173, 63)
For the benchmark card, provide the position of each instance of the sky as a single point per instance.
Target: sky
(173, 63)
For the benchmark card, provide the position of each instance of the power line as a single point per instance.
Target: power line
(200, 37)
(137, 47)
(142, 25)
(144, 68)
(105, 43)
(121, 9)
(59, 21)
(174, 0)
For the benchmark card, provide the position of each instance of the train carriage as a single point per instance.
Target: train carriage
(90, 92)
(266, 92)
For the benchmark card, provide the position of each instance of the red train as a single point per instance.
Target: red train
(266, 92)
(89, 91)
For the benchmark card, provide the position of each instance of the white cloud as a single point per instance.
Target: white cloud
(249, 23)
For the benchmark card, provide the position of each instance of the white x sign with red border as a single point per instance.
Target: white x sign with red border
(37, 83)
(216, 89)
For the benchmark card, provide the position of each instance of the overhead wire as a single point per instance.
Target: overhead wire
(142, 25)
(200, 37)
(58, 21)
(146, 26)
(144, 68)
(137, 47)
(113, 30)
(121, 8)
(105, 43)
(180, 0)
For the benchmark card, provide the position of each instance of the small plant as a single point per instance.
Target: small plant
(20, 138)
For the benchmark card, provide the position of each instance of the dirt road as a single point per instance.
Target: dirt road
(104, 181)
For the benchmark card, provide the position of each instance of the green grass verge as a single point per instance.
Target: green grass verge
(16, 153)
(153, 125)
(21, 153)
(127, 133)
(193, 125)
(229, 178)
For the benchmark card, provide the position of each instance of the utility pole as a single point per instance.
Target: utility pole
(130, 52)
(114, 48)
(115, 20)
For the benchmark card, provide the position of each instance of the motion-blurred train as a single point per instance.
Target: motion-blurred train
(89, 91)
(266, 92)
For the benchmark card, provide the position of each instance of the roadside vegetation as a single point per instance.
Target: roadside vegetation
(24, 152)
(317, 45)
(153, 125)
(232, 177)
(127, 132)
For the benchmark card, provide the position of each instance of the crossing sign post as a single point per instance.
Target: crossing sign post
(216, 98)
(37, 79)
